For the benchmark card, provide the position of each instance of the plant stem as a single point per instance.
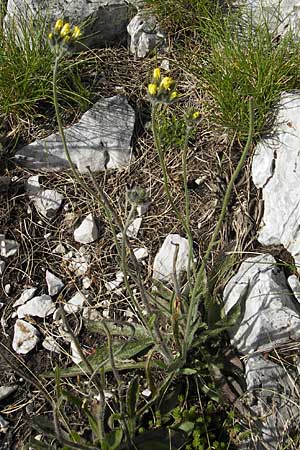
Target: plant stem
(195, 297)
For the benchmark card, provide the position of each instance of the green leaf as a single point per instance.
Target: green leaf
(188, 371)
(113, 439)
(132, 397)
(187, 427)
(123, 359)
(124, 330)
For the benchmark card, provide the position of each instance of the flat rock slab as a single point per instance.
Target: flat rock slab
(276, 170)
(100, 140)
(269, 310)
(103, 21)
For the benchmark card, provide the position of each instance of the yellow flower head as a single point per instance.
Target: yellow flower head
(196, 115)
(50, 36)
(152, 89)
(167, 83)
(66, 39)
(76, 32)
(66, 29)
(173, 96)
(58, 25)
(156, 73)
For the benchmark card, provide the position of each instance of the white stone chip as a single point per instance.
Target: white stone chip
(5, 391)
(140, 253)
(2, 266)
(50, 344)
(26, 336)
(76, 358)
(48, 202)
(3, 425)
(26, 295)
(134, 227)
(86, 282)
(41, 306)
(8, 247)
(75, 304)
(294, 283)
(164, 260)
(87, 232)
(54, 283)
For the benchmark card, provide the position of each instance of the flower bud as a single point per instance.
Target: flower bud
(58, 25)
(66, 29)
(156, 74)
(152, 89)
(167, 83)
(173, 96)
(196, 115)
(76, 32)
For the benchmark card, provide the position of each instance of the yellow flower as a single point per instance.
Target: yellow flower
(58, 25)
(66, 29)
(50, 36)
(76, 32)
(66, 39)
(173, 96)
(167, 83)
(152, 89)
(156, 73)
(196, 115)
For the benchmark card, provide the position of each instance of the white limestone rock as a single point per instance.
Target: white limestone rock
(104, 21)
(50, 344)
(26, 336)
(164, 260)
(4, 424)
(145, 35)
(87, 231)
(75, 304)
(294, 284)
(41, 306)
(140, 253)
(47, 202)
(134, 227)
(272, 394)
(33, 185)
(8, 247)
(280, 15)
(26, 295)
(270, 312)
(276, 169)
(6, 391)
(54, 283)
(100, 140)
(2, 266)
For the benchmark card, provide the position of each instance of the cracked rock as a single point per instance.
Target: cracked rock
(145, 35)
(100, 140)
(270, 314)
(276, 169)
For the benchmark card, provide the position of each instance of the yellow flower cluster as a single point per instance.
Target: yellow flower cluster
(62, 33)
(162, 89)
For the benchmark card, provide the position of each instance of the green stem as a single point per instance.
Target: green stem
(185, 221)
(195, 297)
